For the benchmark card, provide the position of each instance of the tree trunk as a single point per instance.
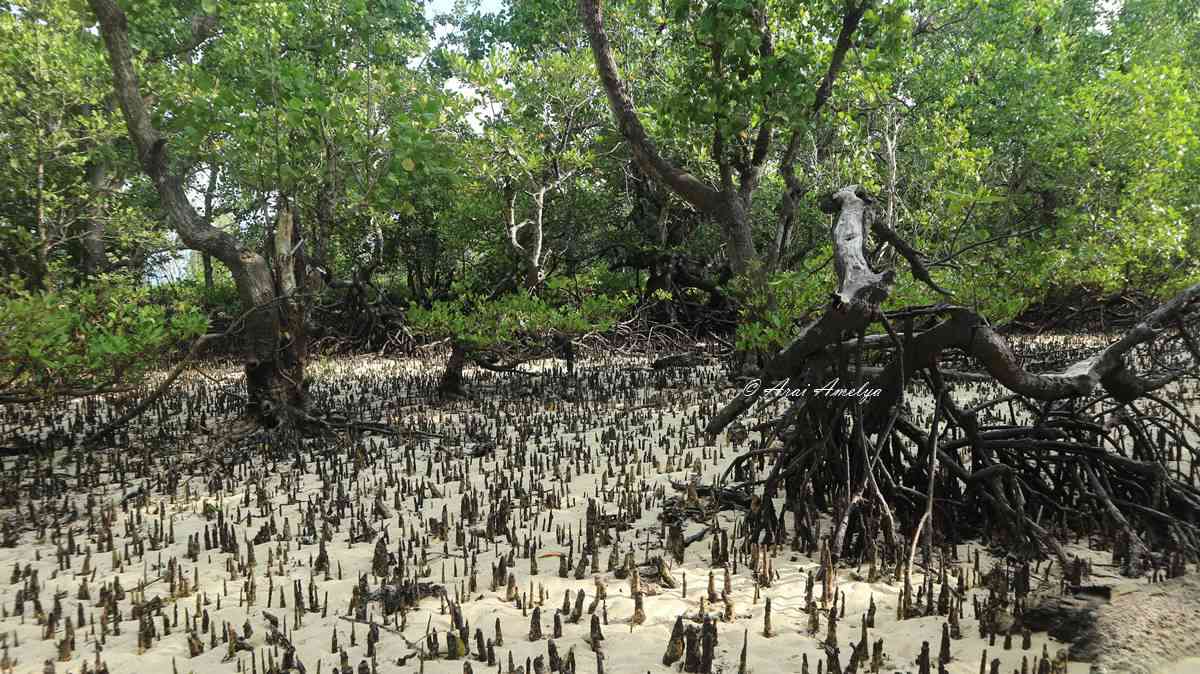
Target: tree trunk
(206, 261)
(209, 194)
(271, 389)
(792, 191)
(41, 266)
(651, 218)
(725, 205)
(734, 217)
(327, 202)
(525, 237)
(99, 182)
(451, 383)
(533, 243)
(276, 387)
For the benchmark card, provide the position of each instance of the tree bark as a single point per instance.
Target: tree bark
(526, 237)
(281, 380)
(266, 378)
(100, 181)
(451, 383)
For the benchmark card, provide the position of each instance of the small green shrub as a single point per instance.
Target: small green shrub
(480, 324)
(770, 307)
(75, 339)
(221, 299)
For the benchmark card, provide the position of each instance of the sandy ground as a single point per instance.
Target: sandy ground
(553, 455)
(1185, 666)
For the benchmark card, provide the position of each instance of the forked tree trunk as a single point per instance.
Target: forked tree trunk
(728, 202)
(273, 356)
(531, 243)
(526, 238)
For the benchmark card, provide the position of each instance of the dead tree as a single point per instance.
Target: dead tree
(1085, 448)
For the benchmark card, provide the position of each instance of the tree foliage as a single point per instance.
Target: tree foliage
(464, 165)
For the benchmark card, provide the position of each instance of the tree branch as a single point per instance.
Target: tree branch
(915, 259)
(845, 39)
(250, 271)
(688, 186)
